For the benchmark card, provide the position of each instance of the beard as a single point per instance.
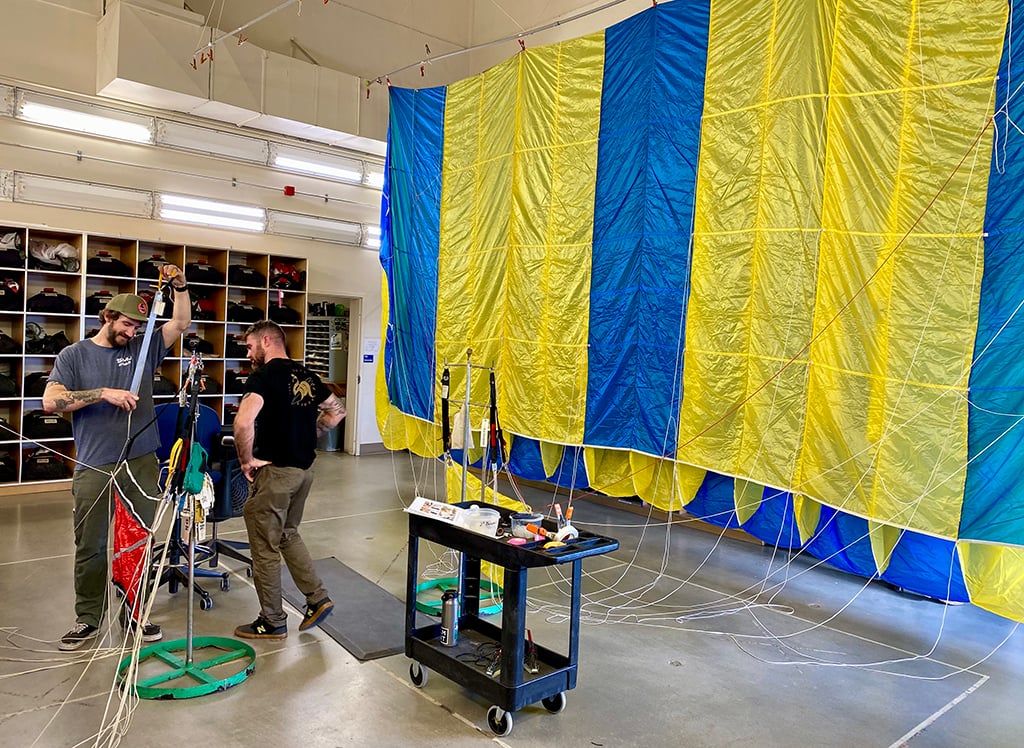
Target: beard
(116, 339)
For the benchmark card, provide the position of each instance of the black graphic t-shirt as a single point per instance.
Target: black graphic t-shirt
(286, 425)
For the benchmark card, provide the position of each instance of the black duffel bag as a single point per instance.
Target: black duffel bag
(243, 275)
(235, 381)
(6, 432)
(150, 267)
(235, 347)
(163, 387)
(8, 388)
(284, 315)
(200, 272)
(97, 302)
(104, 263)
(47, 345)
(244, 312)
(43, 465)
(192, 342)
(52, 302)
(8, 469)
(38, 424)
(8, 344)
(35, 383)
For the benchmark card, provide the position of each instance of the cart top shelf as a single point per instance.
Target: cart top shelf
(499, 551)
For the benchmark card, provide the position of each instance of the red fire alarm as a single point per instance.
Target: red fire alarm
(289, 190)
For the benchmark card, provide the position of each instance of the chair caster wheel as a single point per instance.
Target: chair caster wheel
(205, 603)
(225, 584)
(248, 571)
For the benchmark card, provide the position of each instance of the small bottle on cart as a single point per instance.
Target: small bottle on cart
(449, 618)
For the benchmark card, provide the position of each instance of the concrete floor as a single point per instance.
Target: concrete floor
(690, 656)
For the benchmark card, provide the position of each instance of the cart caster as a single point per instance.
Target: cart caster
(205, 603)
(499, 721)
(554, 704)
(418, 675)
(225, 584)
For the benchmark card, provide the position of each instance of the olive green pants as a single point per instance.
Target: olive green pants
(272, 514)
(93, 510)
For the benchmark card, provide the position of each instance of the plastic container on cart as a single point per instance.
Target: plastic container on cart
(482, 520)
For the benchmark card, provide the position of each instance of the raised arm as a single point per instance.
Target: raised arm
(181, 318)
(331, 414)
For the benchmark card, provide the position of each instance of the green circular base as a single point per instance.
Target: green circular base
(226, 650)
(433, 607)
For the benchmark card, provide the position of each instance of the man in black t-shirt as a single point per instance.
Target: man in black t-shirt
(284, 409)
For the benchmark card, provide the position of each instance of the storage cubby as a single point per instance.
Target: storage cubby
(108, 257)
(68, 273)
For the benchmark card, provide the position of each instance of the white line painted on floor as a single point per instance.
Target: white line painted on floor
(922, 726)
(35, 560)
(423, 694)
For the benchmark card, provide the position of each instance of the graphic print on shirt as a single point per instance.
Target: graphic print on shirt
(302, 391)
(125, 360)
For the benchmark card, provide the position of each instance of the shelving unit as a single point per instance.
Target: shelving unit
(76, 282)
(327, 347)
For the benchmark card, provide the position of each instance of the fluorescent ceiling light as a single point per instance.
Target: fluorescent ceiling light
(371, 236)
(374, 176)
(68, 193)
(81, 117)
(213, 142)
(212, 213)
(317, 163)
(313, 227)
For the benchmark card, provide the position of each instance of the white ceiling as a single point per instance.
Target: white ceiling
(371, 38)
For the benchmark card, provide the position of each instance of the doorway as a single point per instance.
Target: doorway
(333, 332)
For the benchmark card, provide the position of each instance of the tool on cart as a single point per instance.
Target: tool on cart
(530, 663)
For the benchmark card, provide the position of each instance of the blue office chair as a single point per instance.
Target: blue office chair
(232, 491)
(170, 418)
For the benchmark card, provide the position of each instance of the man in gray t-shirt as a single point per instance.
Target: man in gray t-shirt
(92, 380)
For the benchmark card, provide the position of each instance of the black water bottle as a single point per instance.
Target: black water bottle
(449, 618)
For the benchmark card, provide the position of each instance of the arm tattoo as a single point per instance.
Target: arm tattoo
(67, 399)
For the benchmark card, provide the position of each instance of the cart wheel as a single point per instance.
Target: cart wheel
(554, 704)
(225, 584)
(499, 720)
(205, 603)
(418, 675)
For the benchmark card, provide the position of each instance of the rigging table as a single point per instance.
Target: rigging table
(511, 688)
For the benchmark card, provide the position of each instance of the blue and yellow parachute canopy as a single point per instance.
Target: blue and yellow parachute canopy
(760, 261)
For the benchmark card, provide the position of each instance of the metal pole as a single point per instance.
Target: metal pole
(191, 579)
(467, 433)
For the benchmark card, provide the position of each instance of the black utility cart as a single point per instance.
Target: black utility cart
(512, 687)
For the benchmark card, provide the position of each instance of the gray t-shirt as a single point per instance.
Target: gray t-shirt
(101, 430)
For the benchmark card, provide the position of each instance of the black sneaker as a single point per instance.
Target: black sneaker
(316, 613)
(260, 629)
(150, 632)
(77, 636)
